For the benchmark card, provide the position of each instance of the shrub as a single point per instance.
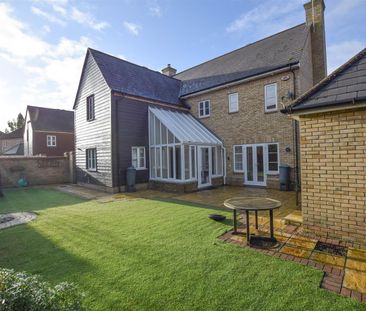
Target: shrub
(21, 291)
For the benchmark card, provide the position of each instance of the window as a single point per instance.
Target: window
(91, 159)
(233, 102)
(138, 158)
(238, 159)
(273, 159)
(204, 109)
(51, 141)
(90, 113)
(270, 97)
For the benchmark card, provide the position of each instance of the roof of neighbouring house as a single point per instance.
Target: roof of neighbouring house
(18, 149)
(185, 127)
(125, 77)
(52, 120)
(347, 84)
(18, 133)
(276, 51)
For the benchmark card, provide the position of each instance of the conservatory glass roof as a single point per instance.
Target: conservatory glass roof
(185, 127)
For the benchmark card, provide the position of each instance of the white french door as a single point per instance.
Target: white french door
(204, 166)
(255, 164)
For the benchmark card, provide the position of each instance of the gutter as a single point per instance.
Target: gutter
(247, 79)
(324, 107)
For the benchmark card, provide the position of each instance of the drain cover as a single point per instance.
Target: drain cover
(331, 248)
(6, 219)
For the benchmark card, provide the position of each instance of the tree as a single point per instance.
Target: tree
(16, 124)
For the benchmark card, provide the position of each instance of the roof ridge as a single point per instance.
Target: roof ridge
(245, 46)
(328, 78)
(126, 61)
(49, 108)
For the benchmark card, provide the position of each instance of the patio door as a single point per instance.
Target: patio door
(204, 166)
(255, 164)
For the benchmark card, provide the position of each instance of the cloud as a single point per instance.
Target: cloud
(155, 9)
(87, 19)
(51, 18)
(268, 17)
(35, 72)
(132, 28)
(341, 52)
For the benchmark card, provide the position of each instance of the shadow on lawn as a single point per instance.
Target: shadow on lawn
(35, 199)
(22, 248)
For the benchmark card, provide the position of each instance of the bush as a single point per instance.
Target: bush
(21, 291)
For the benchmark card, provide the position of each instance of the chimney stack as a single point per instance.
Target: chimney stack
(314, 11)
(169, 71)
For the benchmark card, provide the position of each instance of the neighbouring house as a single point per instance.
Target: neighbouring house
(332, 118)
(218, 122)
(11, 144)
(48, 132)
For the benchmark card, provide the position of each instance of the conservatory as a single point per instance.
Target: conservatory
(183, 151)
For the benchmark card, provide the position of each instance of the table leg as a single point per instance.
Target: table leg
(256, 220)
(235, 222)
(247, 224)
(271, 223)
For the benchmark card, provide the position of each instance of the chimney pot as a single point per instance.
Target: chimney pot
(169, 71)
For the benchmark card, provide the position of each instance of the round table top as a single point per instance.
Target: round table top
(252, 203)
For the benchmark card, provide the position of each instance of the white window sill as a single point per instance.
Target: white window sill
(141, 169)
(203, 117)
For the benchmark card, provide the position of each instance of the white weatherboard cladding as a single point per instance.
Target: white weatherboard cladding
(185, 127)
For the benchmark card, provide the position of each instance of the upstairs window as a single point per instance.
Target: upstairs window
(273, 159)
(204, 109)
(51, 141)
(90, 112)
(238, 159)
(270, 97)
(138, 158)
(91, 159)
(233, 102)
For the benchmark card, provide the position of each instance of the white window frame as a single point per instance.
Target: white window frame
(265, 97)
(203, 102)
(89, 159)
(51, 141)
(242, 159)
(269, 172)
(138, 148)
(230, 97)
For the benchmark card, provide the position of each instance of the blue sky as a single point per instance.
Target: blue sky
(43, 42)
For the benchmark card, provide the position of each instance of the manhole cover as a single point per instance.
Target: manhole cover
(331, 248)
(6, 219)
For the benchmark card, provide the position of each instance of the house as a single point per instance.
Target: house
(332, 118)
(12, 143)
(48, 132)
(218, 122)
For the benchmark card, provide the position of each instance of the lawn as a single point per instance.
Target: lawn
(152, 255)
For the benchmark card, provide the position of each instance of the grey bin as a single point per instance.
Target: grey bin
(284, 178)
(130, 179)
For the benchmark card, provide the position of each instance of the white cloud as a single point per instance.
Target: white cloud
(268, 17)
(59, 9)
(51, 18)
(341, 52)
(35, 72)
(87, 19)
(155, 9)
(132, 28)
(46, 29)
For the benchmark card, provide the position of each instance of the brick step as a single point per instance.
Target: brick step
(294, 218)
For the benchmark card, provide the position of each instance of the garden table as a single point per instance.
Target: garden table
(253, 204)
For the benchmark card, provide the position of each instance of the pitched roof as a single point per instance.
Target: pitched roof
(132, 79)
(275, 51)
(347, 84)
(18, 149)
(18, 133)
(53, 120)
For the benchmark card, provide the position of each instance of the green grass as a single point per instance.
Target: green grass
(152, 255)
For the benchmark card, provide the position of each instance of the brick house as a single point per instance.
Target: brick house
(12, 143)
(332, 118)
(233, 101)
(48, 132)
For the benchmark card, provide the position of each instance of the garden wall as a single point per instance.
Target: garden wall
(37, 170)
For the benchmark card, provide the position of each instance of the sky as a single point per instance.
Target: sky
(43, 42)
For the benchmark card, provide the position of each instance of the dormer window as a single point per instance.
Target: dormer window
(90, 110)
